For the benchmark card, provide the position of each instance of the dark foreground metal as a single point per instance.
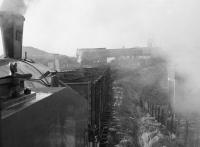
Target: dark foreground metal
(57, 118)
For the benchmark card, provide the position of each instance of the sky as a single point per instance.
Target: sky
(62, 26)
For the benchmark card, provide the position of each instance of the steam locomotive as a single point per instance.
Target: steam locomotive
(40, 107)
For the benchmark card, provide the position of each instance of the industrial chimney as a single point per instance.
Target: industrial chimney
(12, 33)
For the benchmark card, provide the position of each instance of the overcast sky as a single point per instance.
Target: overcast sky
(62, 26)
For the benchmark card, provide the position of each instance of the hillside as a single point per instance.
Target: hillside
(44, 57)
(35, 53)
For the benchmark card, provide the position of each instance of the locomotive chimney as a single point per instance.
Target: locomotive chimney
(12, 33)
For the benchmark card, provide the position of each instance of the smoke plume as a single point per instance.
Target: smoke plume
(15, 6)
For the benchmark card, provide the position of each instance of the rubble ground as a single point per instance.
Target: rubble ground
(131, 126)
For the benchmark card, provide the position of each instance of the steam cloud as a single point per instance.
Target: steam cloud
(174, 25)
(15, 6)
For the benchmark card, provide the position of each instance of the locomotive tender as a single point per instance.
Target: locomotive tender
(40, 107)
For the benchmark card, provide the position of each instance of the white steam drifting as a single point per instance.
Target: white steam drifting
(15, 6)
(63, 26)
